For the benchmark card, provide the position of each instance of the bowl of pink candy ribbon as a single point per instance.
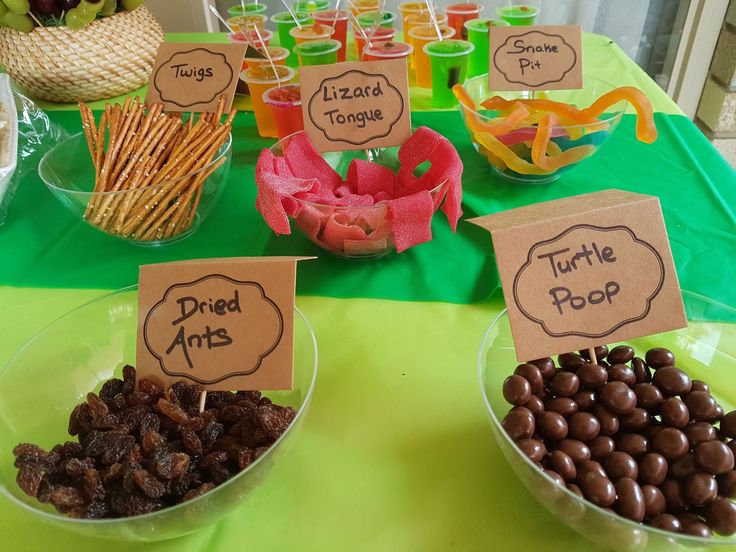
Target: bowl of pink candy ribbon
(362, 203)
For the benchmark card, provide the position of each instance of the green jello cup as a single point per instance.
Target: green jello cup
(317, 52)
(368, 19)
(449, 62)
(477, 30)
(311, 6)
(250, 9)
(284, 23)
(518, 15)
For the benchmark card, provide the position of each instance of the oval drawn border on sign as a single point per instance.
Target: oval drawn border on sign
(574, 54)
(261, 356)
(224, 60)
(391, 126)
(602, 229)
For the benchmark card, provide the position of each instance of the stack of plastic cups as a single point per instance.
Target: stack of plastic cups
(458, 14)
(477, 33)
(259, 79)
(284, 23)
(328, 17)
(449, 60)
(285, 104)
(418, 38)
(379, 34)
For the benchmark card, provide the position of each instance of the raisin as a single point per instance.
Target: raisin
(28, 455)
(191, 441)
(44, 490)
(109, 421)
(137, 398)
(70, 449)
(244, 458)
(135, 455)
(152, 441)
(149, 422)
(151, 389)
(111, 473)
(260, 451)
(93, 487)
(209, 434)
(97, 407)
(179, 464)
(67, 497)
(190, 399)
(80, 420)
(128, 379)
(111, 388)
(29, 479)
(148, 483)
(232, 413)
(272, 421)
(133, 415)
(217, 456)
(264, 401)
(75, 467)
(118, 402)
(199, 491)
(254, 396)
(129, 469)
(96, 510)
(133, 505)
(172, 411)
(219, 399)
(197, 423)
(176, 392)
(220, 473)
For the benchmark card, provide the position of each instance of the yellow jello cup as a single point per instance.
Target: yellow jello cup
(418, 38)
(421, 19)
(277, 53)
(246, 22)
(315, 31)
(259, 79)
(410, 8)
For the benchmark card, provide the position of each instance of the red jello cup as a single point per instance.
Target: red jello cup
(381, 51)
(327, 17)
(458, 14)
(251, 37)
(382, 34)
(286, 107)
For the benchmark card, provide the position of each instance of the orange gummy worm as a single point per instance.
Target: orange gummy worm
(646, 131)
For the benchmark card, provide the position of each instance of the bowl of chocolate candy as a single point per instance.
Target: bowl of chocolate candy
(635, 451)
(87, 445)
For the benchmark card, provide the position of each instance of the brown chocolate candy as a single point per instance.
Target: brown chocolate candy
(592, 376)
(652, 469)
(693, 525)
(533, 375)
(552, 425)
(585, 399)
(728, 425)
(670, 443)
(562, 464)
(721, 516)
(659, 357)
(534, 449)
(564, 384)
(609, 421)
(666, 522)
(648, 397)
(674, 413)
(654, 501)
(630, 503)
(570, 361)
(601, 352)
(535, 404)
(653, 428)
(546, 367)
(598, 489)
(562, 405)
(701, 405)
(556, 477)
(583, 426)
(672, 381)
(682, 468)
(699, 432)
(621, 354)
(591, 466)
(575, 490)
(635, 421)
(714, 457)
(519, 423)
(641, 371)
(576, 450)
(699, 489)
(672, 491)
(622, 373)
(516, 390)
(633, 443)
(700, 385)
(727, 484)
(601, 447)
(618, 397)
(619, 464)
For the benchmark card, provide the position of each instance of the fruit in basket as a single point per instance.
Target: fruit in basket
(21, 7)
(21, 23)
(24, 15)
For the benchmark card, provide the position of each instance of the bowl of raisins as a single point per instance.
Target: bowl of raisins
(635, 449)
(89, 446)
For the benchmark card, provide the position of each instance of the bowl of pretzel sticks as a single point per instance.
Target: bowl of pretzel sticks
(153, 177)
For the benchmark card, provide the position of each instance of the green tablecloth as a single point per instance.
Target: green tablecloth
(396, 452)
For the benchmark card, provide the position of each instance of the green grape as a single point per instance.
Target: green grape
(75, 19)
(130, 5)
(21, 23)
(89, 9)
(109, 7)
(20, 7)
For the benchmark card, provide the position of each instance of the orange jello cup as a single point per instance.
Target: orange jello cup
(277, 53)
(381, 34)
(410, 8)
(419, 37)
(286, 108)
(422, 19)
(311, 32)
(245, 22)
(363, 6)
(260, 79)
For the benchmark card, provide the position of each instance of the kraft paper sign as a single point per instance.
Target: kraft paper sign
(356, 105)
(536, 58)
(583, 271)
(192, 77)
(227, 324)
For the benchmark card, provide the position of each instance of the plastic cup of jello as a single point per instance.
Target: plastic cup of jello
(419, 37)
(387, 50)
(317, 52)
(340, 22)
(458, 14)
(250, 8)
(381, 34)
(384, 19)
(284, 23)
(277, 53)
(286, 108)
(311, 6)
(408, 9)
(449, 60)
(314, 31)
(362, 6)
(251, 37)
(423, 19)
(247, 22)
(518, 15)
(259, 79)
(477, 33)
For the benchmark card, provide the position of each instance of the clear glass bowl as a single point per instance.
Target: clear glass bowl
(706, 350)
(56, 369)
(564, 137)
(311, 218)
(69, 174)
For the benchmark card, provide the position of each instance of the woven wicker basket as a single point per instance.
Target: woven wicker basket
(107, 58)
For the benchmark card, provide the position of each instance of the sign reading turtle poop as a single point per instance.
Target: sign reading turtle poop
(192, 77)
(227, 324)
(584, 271)
(536, 58)
(356, 105)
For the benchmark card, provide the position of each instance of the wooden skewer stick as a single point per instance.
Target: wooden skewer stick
(202, 401)
(591, 353)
